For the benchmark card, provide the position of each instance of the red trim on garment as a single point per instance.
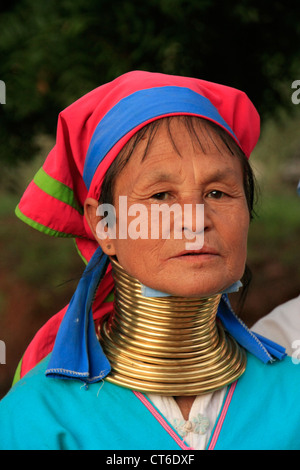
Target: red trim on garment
(222, 416)
(162, 421)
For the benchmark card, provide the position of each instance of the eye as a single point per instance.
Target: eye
(160, 196)
(215, 194)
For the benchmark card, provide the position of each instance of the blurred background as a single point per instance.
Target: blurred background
(52, 52)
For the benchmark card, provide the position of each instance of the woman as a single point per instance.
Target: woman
(167, 365)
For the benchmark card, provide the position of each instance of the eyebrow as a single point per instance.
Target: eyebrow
(161, 176)
(220, 174)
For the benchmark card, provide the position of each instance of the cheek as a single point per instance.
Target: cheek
(136, 256)
(136, 244)
(125, 252)
(235, 234)
(239, 243)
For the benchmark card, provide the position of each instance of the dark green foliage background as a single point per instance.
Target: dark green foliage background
(52, 52)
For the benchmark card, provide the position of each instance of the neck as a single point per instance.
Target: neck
(169, 345)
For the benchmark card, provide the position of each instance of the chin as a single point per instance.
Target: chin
(192, 292)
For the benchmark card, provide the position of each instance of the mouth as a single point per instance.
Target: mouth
(203, 252)
(200, 256)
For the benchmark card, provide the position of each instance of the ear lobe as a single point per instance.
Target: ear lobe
(108, 247)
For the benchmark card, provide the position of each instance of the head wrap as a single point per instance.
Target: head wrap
(90, 134)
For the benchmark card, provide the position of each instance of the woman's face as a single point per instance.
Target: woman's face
(185, 175)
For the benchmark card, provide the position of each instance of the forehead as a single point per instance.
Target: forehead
(171, 144)
(201, 134)
(176, 136)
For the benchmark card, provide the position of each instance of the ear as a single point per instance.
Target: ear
(100, 226)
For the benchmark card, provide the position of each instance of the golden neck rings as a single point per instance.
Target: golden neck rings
(167, 345)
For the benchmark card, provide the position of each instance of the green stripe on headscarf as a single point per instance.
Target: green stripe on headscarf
(56, 189)
(40, 227)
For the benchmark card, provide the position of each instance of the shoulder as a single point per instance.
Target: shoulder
(34, 403)
(36, 390)
(277, 380)
(272, 388)
(264, 410)
(41, 412)
(25, 386)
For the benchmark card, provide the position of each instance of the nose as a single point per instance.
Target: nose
(193, 225)
(196, 221)
(189, 222)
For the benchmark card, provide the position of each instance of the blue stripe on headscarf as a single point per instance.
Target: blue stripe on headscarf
(141, 107)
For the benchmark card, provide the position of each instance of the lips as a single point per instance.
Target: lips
(204, 251)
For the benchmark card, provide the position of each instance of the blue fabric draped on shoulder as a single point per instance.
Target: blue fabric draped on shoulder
(77, 352)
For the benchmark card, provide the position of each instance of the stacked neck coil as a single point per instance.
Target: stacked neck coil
(167, 345)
